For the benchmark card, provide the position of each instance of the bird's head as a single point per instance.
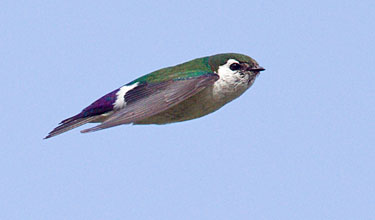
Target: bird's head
(235, 67)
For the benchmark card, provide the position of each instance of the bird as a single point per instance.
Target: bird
(173, 94)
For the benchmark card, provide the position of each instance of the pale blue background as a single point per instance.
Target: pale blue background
(298, 145)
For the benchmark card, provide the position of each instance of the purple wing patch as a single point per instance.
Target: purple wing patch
(89, 114)
(100, 106)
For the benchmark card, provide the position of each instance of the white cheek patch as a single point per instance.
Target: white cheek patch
(120, 99)
(224, 71)
(230, 84)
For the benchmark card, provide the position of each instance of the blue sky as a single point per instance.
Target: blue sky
(299, 144)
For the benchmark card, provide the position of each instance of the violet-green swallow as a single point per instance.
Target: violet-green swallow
(173, 94)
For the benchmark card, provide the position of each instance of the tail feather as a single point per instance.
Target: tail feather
(69, 124)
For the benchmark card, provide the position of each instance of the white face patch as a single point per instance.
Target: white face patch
(225, 69)
(228, 75)
(120, 99)
(231, 83)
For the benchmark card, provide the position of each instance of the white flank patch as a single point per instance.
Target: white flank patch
(120, 100)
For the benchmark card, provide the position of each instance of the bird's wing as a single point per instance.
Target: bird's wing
(148, 99)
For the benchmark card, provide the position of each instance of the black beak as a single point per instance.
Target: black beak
(257, 69)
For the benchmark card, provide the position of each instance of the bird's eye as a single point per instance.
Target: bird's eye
(235, 66)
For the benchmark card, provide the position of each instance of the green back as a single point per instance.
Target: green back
(189, 69)
(193, 68)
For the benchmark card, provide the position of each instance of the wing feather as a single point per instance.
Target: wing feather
(69, 124)
(150, 99)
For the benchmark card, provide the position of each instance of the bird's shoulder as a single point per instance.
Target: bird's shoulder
(191, 69)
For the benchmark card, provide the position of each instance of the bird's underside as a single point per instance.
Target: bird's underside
(196, 106)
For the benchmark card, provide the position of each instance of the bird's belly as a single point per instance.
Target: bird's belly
(201, 104)
(196, 106)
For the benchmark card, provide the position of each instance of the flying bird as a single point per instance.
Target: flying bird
(183, 92)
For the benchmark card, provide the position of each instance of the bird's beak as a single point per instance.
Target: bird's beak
(257, 69)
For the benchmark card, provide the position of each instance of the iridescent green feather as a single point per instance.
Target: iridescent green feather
(193, 68)
(189, 69)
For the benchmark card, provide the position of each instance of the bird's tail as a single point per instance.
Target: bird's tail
(69, 124)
